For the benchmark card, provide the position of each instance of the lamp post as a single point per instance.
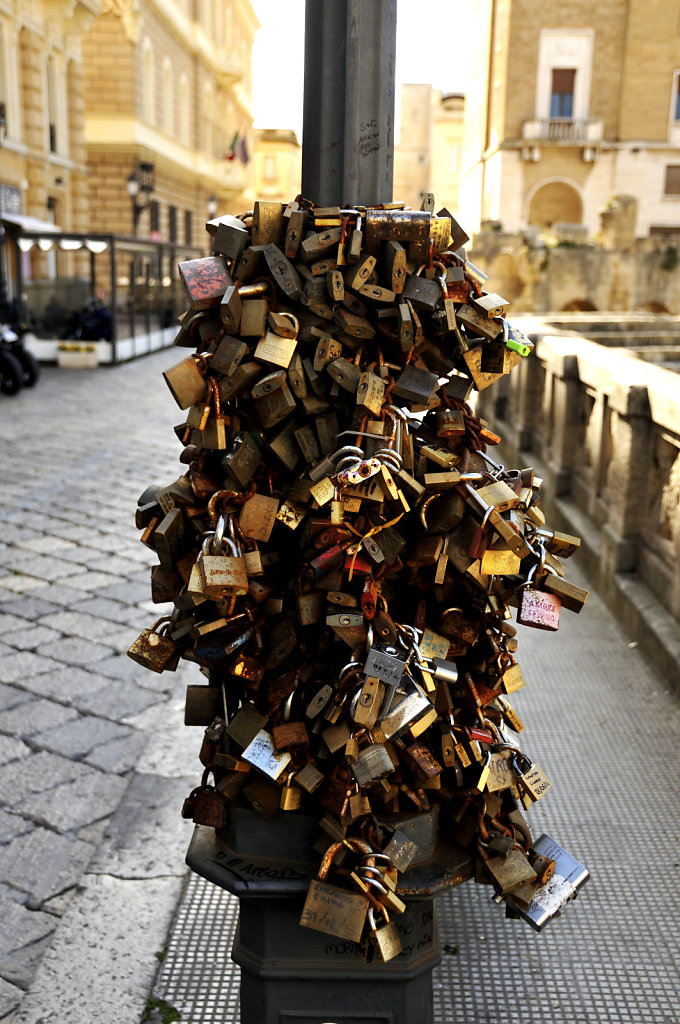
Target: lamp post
(144, 183)
(212, 206)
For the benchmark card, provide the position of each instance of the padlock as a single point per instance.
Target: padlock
(187, 381)
(278, 350)
(205, 281)
(532, 782)
(222, 575)
(273, 400)
(538, 608)
(373, 763)
(331, 909)
(154, 649)
(385, 940)
(291, 795)
(209, 804)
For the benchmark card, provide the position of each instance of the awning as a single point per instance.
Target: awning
(26, 223)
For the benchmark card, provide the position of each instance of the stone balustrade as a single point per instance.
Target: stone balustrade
(603, 429)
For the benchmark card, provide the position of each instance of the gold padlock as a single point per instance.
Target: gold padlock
(291, 795)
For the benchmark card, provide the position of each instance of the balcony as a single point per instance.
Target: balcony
(567, 130)
(228, 67)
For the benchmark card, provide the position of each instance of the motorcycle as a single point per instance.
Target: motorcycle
(18, 367)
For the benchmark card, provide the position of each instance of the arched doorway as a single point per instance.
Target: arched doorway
(555, 202)
(579, 306)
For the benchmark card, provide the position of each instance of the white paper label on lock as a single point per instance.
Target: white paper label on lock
(262, 753)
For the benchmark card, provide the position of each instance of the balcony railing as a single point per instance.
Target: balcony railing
(563, 129)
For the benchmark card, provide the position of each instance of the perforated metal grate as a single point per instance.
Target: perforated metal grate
(606, 733)
(197, 976)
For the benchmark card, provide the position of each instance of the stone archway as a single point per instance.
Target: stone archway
(555, 202)
(579, 306)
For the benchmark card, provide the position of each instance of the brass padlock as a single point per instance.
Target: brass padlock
(222, 575)
(385, 940)
(291, 795)
(276, 349)
(154, 649)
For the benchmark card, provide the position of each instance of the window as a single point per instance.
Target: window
(672, 182)
(154, 215)
(149, 90)
(562, 92)
(187, 227)
(184, 109)
(565, 60)
(270, 168)
(52, 104)
(168, 97)
(172, 223)
(675, 99)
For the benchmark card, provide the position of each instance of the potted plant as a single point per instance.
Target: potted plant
(76, 356)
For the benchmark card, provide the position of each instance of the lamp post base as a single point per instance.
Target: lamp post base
(296, 975)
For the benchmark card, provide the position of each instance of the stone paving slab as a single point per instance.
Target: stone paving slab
(43, 863)
(65, 684)
(34, 716)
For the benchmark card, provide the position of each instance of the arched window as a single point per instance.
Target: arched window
(149, 109)
(52, 90)
(168, 98)
(207, 115)
(184, 109)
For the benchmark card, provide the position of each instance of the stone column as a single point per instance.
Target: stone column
(626, 480)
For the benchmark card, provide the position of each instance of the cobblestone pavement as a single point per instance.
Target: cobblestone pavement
(75, 712)
(94, 763)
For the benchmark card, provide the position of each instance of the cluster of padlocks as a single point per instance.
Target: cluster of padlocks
(342, 553)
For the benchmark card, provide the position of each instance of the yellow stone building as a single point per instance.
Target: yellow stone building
(278, 164)
(568, 105)
(43, 175)
(128, 117)
(168, 95)
(428, 154)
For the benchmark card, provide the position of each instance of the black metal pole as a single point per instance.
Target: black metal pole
(4, 294)
(114, 301)
(348, 131)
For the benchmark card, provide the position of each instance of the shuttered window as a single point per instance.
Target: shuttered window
(562, 92)
(672, 182)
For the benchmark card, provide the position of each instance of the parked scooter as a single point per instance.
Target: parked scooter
(18, 367)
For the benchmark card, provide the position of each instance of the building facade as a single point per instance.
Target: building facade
(277, 164)
(568, 106)
(168, 95)
(428, 154)
(43, 174)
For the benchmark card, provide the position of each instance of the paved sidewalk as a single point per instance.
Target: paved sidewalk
(95, 762)
(76, 714)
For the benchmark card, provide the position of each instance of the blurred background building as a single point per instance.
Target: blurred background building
(568, 105)
(277, 164)
(135, 118)
(129, 117)
(428, 154)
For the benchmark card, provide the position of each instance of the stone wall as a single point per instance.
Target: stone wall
(603, 428)
(540, 278)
